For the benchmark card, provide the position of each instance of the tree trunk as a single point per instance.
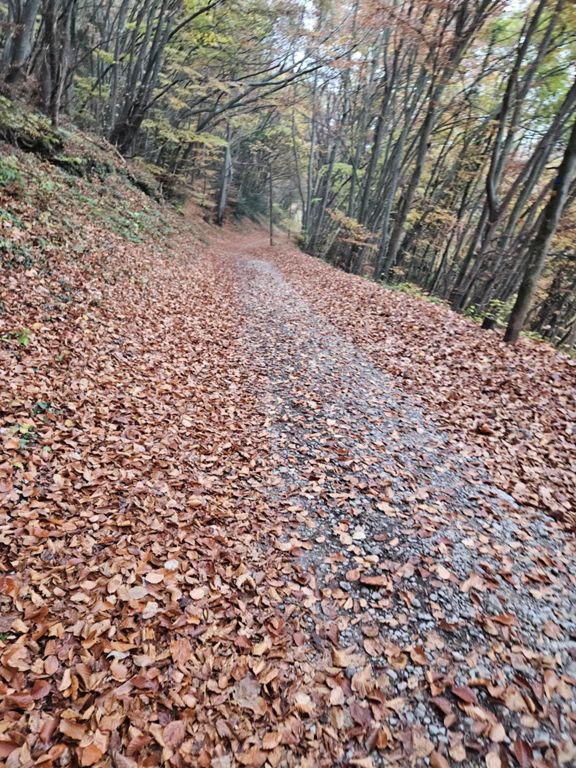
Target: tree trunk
(19, 44)
(226, 181)
(309, 178)
(270, 204)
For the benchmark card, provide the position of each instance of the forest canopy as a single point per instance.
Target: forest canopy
(428, 144)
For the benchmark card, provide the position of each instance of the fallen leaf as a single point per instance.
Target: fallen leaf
(71, 729)
(261, 648)
(343, 657)
(438, 761)
(174, 733)
(464, 693)
(303, 703)
(247, 695)
(497, 733)
(154, 577)
(150, 609)
(137, 593)
(271, 740)
(523, 753)
(474, 581)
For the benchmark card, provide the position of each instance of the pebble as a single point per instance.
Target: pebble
(541, 738)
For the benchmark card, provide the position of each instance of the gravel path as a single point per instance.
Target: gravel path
(460, 599)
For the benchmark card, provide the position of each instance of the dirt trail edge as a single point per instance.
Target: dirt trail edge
(229, 539)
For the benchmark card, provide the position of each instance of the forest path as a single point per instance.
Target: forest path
(406, 540)
(230, 539)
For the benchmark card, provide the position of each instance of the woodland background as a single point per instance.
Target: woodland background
(429, 144)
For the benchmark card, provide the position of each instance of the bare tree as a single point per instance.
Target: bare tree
(540, 246)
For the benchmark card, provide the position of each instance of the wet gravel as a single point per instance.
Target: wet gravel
(375, 491)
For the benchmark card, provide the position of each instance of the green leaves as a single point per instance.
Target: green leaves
(23, 337)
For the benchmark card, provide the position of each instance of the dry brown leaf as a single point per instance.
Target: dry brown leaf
(303, 703)
(271, 740)
(343, 657)
(397, 704)
(150, 609)
(514, 700)
(523, 753)
(360, 713)
(362, 762)
(154, 577)
(421, 744)
(337, 697)
(261, 648)
(497, 733)
(464, 693)
(253, 757)
(137, 593)
(73, 730)
(174, 733)
(118, 670)
(474, 581)
(438, 761)
(362, 682)
(247, 695)
(456, 750)
(181, 650)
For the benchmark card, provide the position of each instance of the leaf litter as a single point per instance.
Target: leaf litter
(235, 537)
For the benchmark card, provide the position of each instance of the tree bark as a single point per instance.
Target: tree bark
(270, 204)
(226, 181)
(19, 44)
